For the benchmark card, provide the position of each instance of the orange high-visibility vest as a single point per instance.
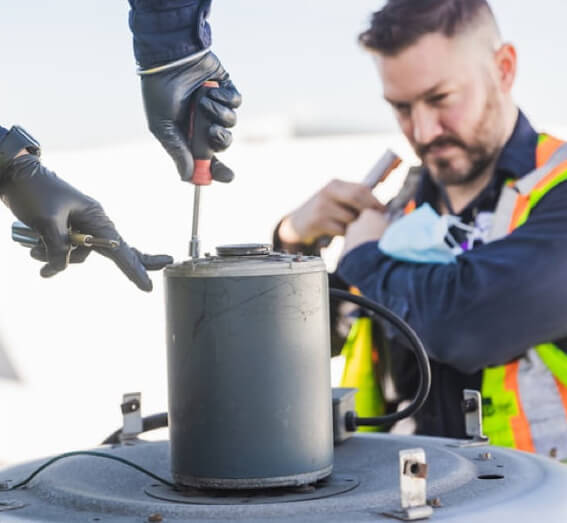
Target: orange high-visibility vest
(525, 401)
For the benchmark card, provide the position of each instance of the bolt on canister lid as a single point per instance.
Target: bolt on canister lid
(248, 259)
(245, 249)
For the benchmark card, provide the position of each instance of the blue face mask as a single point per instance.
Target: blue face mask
(423, 237)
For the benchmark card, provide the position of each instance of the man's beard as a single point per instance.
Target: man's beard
(479, 155)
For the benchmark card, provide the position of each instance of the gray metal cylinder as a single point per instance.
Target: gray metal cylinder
(248, 364)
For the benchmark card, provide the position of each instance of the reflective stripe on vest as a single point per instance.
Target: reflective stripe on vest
(525, 401)
(518, 199)
(361, 358)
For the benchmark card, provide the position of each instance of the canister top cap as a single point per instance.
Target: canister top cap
(245, 260)
(245, 249)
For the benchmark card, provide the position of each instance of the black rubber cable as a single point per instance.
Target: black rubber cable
(416, 346)
(158, 421)
(88, 453)
(153, 422)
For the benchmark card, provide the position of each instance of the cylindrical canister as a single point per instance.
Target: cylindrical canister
(248, 366)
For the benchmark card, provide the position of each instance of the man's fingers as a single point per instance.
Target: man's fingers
(129, 263)
(220, 138)
(39, 252)
(174, 142)
(220, 172)
(227, 95)
(153, 262)
(79, 254)
(333, 228)
(218, 112)
(134, 264)
(57, 247)
(354, 195)
(340, 213)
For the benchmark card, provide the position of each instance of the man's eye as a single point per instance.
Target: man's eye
(438, 98)
(402, 108)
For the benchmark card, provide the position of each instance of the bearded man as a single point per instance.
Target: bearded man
(491, 308)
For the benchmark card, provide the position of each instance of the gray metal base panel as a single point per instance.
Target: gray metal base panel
(509, 486)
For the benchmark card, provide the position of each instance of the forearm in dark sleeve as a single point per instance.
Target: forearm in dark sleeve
(491, 305)
(167, 30)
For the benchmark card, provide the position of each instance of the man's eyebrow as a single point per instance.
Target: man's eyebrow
(425, 94)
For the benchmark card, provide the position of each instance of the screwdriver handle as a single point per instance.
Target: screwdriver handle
(198, 137)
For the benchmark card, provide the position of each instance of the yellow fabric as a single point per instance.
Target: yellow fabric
(555, 360)
(502, 405)
(359, 371)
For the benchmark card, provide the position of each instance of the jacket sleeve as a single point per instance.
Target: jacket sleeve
(489, 307)
(2, 132)
(167, 30)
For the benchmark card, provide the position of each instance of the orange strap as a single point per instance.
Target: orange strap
(546, 148)
(519, 423)
(523, 200)
(522, 204)
(410, 207)
(563, 393)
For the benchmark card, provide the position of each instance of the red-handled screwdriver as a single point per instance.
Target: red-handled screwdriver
(202, 155)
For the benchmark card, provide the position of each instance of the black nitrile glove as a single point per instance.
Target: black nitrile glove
(167, 101)
(51, 206)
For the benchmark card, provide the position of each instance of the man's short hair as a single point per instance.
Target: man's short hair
(401, 23)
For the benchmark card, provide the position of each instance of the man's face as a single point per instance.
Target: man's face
(448, 103)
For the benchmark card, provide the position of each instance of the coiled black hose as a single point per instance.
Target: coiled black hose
(418, 349)
(158, 421)
(153, 422)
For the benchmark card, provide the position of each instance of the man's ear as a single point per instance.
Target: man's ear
(506, 63)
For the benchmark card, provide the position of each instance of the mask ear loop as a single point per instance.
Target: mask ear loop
(454, 221)
(460, 225)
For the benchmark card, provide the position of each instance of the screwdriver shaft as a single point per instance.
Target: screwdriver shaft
(194, 246)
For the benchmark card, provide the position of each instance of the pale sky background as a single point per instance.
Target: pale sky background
(68, 70)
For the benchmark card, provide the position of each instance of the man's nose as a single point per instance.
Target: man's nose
(426, 124)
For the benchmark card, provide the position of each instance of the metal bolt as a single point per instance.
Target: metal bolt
(553, 453)
(485, 456)
(415, 469)
(155, 518)
(469, 405)
(435, 502)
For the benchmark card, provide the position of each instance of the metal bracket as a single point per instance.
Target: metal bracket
(413, 487)
(131, 408)
(472, 407)
(343, 402)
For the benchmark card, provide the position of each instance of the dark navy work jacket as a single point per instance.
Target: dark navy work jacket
(489, 307)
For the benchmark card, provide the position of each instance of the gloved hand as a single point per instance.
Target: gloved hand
(51, 206)
(167, 101)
